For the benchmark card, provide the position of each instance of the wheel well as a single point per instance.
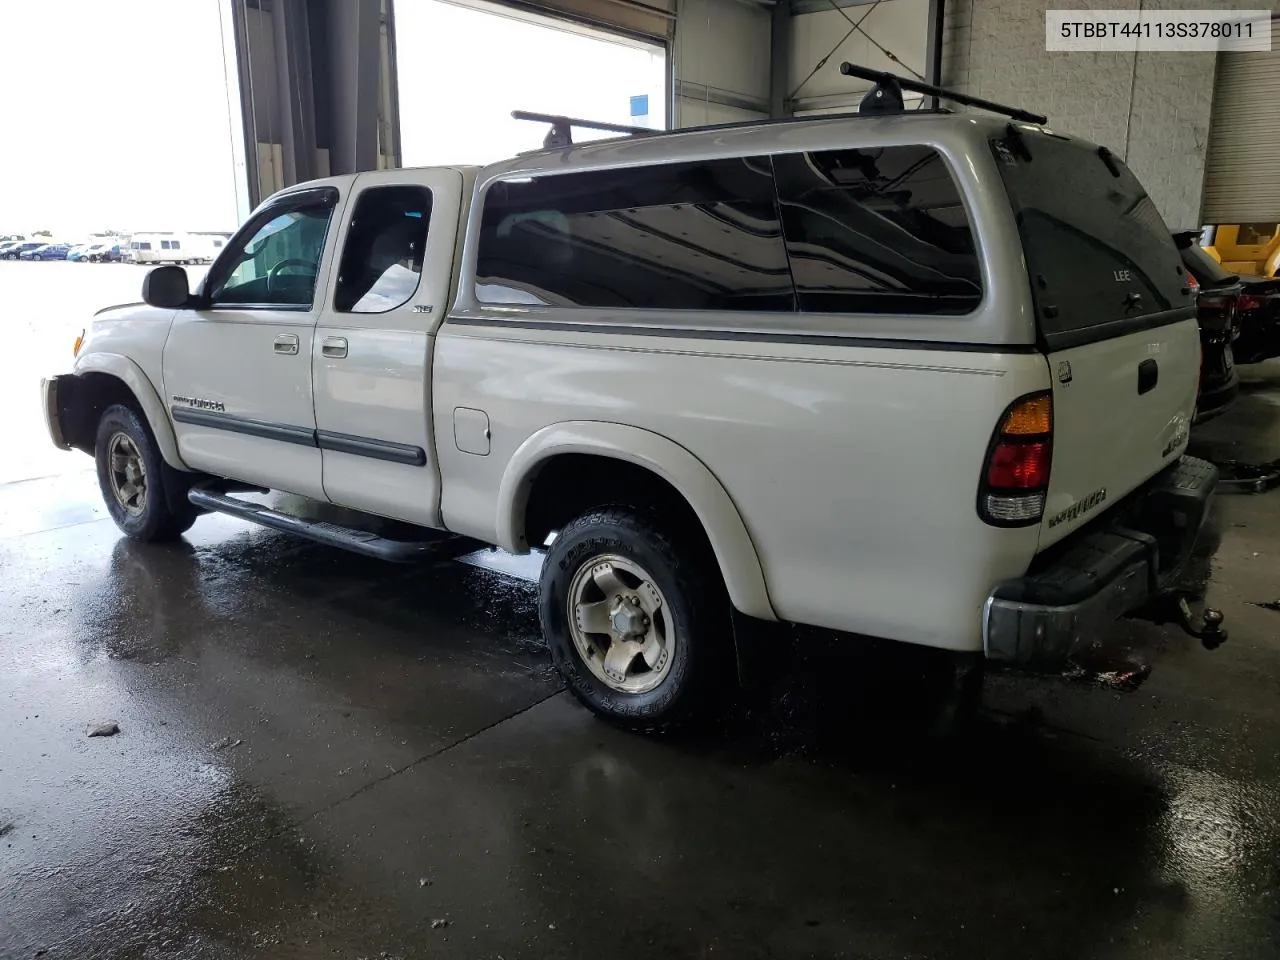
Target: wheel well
(569, 485)
(82, 410)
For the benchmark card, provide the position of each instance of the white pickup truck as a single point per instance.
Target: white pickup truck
(924, 377)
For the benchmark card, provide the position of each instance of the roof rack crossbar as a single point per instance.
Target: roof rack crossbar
(561, 132)
(891, 83)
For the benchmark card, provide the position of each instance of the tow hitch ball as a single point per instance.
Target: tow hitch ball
(1209, 629)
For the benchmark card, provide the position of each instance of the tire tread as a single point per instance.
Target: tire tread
(159, 521)
(691, 568)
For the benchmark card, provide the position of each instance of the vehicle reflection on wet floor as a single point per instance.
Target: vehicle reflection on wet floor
(321, 755)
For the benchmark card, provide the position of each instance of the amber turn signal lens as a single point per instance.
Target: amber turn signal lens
(1032, 416)
(75, 351)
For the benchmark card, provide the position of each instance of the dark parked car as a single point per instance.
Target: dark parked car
(16, 251)
(47, 251)
(1259, 320)
(1217, 303)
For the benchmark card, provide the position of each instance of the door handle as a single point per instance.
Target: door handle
(286, 343)
(335, 347)
(1148, 375)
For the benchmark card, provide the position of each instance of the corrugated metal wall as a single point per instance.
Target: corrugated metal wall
(1242, 166)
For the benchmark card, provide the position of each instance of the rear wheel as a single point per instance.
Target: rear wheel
(144, 495)
(636, 618)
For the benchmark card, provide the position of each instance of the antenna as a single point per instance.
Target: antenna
(561, 132)
(886, 95)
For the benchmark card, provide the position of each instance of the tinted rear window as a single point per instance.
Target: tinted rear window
(1097, 249)
(877, 231)
(681, 236)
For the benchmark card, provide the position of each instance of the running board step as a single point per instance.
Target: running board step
(330, 534)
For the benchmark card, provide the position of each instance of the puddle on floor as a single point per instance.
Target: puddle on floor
(522, 566)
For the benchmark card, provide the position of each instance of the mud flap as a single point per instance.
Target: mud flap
(760, 650)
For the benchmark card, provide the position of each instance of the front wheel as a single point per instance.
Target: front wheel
(143, 494)
(636, 618)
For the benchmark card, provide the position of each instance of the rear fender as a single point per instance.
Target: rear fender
(734, 550)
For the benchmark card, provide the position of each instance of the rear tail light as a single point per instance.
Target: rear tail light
(1015, 477)
(1227, 303)
(1247, 301)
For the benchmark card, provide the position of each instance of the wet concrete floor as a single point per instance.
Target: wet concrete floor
(322, 756)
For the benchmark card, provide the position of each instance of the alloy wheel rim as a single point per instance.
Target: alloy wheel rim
(620, 624)
(128, 474)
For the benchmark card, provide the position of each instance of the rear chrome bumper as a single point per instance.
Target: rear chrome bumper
(1094, 579)
(52, 413)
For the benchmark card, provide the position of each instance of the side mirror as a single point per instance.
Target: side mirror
(166, 287)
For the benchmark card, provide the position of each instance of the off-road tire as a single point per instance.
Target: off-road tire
(166, 513)
(683, 568)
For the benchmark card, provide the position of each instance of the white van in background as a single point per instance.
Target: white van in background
(157, 248)
(204, 247)
(179, 248)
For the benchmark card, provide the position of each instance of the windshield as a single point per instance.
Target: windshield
(1097, 249)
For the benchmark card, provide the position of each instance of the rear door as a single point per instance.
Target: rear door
(373, 346)
(1116, 319)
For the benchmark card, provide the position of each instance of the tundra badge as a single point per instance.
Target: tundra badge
(200, 403)
(1080, 507)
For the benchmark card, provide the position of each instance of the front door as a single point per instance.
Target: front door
(372, 352)
(237, 370)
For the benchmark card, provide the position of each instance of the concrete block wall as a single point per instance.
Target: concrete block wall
(1152, 109)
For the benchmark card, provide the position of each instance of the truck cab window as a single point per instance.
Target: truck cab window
(382, 258)
(275, 263)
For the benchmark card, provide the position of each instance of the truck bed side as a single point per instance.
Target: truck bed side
(854, 468)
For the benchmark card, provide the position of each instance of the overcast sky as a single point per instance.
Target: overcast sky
(115, 114)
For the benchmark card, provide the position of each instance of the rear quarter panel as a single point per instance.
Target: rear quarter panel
(855, 469)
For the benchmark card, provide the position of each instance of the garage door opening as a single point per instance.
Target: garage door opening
(462, 69)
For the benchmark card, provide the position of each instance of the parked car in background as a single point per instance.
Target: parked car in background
(16, 251)
(105, 253)
(99, 252)
(46, 251)
(1217, 301)
(5, 245)
(77, 252)
(1259, 320)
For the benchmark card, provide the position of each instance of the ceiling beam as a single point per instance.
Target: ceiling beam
(800, 7)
